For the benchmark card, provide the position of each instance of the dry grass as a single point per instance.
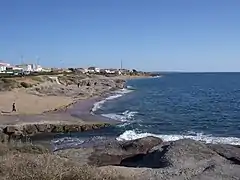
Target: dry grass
(38, 78)
(71, 79)
(26, 163)
(18, 147)
(7, 84)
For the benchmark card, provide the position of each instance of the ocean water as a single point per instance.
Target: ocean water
(200, 106)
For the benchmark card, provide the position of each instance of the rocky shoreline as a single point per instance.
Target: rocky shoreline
(15, 132)
(151, 158)
(141, 159)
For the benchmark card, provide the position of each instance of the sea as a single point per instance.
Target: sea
(200, 106)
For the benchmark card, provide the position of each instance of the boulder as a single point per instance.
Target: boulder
(141, 145)
(178, 160)
(223, 172)
(109, 152)
(13, 130)
(30, 129)
(229, 152)
(188, 153)
(86, 127)
(71, 128)
(184, 153)
(58, 129)
(44, 127)
(3, 137)
(9, 130)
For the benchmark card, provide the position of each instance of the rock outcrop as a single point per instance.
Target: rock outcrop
(179, 154)
(109, 152)
(75, 86)
(229, 152)
(25, 130)
(149, 158)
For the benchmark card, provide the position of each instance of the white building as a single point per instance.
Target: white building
(26, 67)
(14, 68)
(111, 71)
(37, 68)
(4, 66)
(94, 70)
(30, 67)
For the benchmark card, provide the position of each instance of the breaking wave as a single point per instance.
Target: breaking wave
(118, 94)
(125, 116)
(132, 135)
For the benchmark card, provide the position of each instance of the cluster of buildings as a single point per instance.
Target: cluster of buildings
(6, 68)
(21, 68)
(96, 70)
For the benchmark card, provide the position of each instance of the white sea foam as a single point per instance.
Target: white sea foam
(118, 94)
(125, 116)
(72, 142)
(132, 135)
(99, 104)
(115, 117)
(66, 142)
(123, 124)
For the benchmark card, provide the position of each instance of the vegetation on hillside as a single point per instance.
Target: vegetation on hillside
(71, 79)
(7, 84)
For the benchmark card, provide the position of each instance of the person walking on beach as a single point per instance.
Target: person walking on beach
(14, 107)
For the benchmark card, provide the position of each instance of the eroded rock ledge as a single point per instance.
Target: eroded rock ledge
(9, 132)
(151, 158)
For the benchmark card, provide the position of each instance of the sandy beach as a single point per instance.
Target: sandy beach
(51, 102)
(49, 96)
(30, 104)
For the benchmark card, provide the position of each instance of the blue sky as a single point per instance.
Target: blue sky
(165, 35)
